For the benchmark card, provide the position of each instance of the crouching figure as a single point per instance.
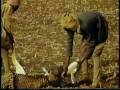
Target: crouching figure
(93, 28)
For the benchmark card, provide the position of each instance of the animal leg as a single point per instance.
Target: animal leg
(5, 58)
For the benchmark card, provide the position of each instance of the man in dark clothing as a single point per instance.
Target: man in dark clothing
(94, 30)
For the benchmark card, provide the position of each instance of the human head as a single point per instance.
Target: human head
(69, 22)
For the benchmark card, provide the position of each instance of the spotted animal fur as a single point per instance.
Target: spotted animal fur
(7, 81)
(30, 81)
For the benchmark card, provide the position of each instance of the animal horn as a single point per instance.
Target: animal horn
(45, 70)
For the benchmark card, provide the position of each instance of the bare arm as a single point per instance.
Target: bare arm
(69, 49)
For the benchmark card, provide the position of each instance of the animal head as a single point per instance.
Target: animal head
(54, 76)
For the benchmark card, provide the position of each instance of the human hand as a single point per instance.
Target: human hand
(64, 73)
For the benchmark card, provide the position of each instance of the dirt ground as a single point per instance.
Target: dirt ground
(41, 42)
